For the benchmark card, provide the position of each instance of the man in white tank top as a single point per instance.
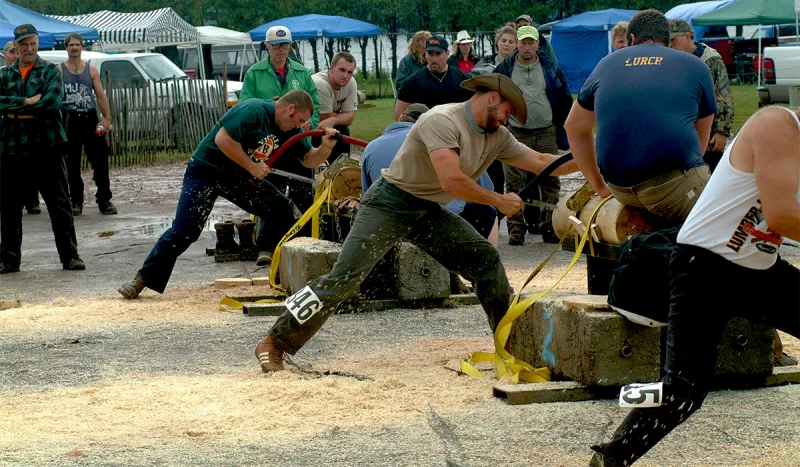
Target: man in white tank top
(726, 264)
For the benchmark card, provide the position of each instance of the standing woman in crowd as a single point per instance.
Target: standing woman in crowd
(463, 55)
(505, 39)
(415, 59)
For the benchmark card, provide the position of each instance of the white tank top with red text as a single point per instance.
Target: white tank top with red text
(728, 218)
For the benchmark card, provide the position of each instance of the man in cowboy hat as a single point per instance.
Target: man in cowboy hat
(445, 152)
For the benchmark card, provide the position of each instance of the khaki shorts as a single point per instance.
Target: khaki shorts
(670, 196)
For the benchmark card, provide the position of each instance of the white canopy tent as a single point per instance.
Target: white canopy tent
(213, 35)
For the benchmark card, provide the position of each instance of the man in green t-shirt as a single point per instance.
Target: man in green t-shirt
(229, 162)
(448, 148)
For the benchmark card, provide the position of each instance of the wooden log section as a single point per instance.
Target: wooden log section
(615, 222)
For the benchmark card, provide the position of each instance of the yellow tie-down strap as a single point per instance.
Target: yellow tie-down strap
(507, 365)
(320, 197)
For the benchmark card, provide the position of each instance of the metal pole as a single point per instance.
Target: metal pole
(760, 56)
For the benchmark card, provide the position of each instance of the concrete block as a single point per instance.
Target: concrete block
(418, 275)
(232, 282)
(304, 259)
(602, 348)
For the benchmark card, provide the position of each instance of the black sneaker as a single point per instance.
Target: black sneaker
(75, 264)
(106, 207)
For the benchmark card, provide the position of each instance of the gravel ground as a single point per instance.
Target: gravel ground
(91, 379)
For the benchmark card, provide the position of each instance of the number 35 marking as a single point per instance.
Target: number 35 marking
(303, 305)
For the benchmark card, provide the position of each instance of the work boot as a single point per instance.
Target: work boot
(8, 268)
(77, 209)
(247, 246)
(74, 264)
(226, 243)
(106, 207)
(269, 355)
(516, 234)
(548, 234)
(132, 289)
(34, 208)
(264, 258)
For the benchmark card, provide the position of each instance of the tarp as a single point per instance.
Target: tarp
(46, 40)
(581, 41)
(221, 36)
(747, 12)
(135, 31)
(16, 15)
(318, 26)
(690, 11)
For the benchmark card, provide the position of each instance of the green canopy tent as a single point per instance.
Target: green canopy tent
(750, 12)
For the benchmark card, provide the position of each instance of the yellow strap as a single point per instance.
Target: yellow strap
(276, 255)
(506, 364)
(232, 305)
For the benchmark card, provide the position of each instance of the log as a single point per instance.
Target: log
(615, 222)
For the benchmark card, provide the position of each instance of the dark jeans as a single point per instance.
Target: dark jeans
(543, 140)
(202, 184)
(47, 169)
(705, 291)
(389, 214)
(80, 127)
(339, 149)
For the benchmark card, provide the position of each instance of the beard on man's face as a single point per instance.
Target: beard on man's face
(492, 122)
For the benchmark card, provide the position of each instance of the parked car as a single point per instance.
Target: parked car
(717, 37)
(781, 71)
(784, 33)
(142, 68)
(232, 55)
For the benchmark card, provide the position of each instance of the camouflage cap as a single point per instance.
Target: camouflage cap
(678, 27)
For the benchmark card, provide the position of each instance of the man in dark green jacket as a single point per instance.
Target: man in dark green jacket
(31, 148)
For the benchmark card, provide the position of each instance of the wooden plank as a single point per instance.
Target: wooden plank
(232, 282)
(553, 391)
(364, 306)
(8, 304)
(783, 375)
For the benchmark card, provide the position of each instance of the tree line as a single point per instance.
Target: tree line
(394, 16)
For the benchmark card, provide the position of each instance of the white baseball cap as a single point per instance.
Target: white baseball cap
(278, 35)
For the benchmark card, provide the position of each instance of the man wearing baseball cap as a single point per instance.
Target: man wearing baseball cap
(436, 84)
(448, 148)
(270, 79)
(549, 101)
(681, 37)
(31, 146)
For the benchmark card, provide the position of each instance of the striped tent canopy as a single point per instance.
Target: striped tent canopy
(133, 31)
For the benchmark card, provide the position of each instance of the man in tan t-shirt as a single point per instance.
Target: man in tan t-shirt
(337, 92)
(446, 151)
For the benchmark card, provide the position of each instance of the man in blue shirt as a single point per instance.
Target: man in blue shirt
(653, 108)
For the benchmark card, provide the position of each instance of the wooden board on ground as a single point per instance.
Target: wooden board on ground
(232, 282)
(362, 306)
(570, 391)
(7, 304)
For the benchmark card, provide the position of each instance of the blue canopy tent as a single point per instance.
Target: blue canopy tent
(16, 15)
(46, 40)
(689, 11)
(581, 41)
(318, 26)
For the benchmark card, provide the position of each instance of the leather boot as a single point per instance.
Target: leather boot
(247, 247)
(226, 243)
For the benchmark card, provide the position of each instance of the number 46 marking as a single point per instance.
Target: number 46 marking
(303, 305)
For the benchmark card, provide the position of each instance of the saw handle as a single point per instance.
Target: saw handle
(527, 191)
(310, 134)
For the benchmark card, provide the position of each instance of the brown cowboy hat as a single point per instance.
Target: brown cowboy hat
(505, 87)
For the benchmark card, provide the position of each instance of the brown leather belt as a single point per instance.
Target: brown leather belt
(20, 117)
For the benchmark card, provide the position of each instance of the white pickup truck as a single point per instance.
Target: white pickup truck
(140, 68)
(781, 71)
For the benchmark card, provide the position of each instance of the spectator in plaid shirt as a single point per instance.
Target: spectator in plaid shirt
(31, 146)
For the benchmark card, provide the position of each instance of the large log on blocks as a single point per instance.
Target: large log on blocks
(304, 259)
(615, 221)
(406, 273)
(584, 341)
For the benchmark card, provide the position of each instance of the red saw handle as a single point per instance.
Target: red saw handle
(310, 134)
